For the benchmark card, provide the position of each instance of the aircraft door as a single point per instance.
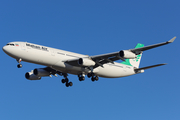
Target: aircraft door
(23, 47)
(52, 53)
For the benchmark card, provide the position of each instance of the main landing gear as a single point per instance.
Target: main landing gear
(19, 61)
(94, 78)
(66, 80)
(92, 75)
(81, 77)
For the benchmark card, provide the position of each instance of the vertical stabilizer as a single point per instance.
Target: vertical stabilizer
(134, 62)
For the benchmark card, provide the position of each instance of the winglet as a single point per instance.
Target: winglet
(172, 40)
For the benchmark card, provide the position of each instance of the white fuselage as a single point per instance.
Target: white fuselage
(56, 58)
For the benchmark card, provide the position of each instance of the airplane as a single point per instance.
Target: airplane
(60, 62)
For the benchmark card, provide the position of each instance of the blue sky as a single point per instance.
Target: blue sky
(92, 27)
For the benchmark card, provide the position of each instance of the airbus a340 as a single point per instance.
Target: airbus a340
(60, 62)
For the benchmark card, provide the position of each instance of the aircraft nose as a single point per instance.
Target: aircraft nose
(4, 49)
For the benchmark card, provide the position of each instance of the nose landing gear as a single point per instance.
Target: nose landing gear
(19, 65)
(19, 61)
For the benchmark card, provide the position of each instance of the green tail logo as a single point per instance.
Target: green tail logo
(134, 62)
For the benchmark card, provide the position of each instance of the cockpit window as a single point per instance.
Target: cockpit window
(10, 44)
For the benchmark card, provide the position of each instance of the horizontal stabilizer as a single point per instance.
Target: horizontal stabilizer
(143, 68)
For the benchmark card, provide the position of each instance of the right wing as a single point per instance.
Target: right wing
(152, 46)
(99, 60)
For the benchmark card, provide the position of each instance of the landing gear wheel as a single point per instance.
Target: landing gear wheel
(89, 75)
(96, 78)
(19, 65)
(67, 84)
(66, 80)
(81, 78)
(93, 79)
(70, 84)
(63, 81)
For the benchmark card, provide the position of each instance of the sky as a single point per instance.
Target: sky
(92, 27)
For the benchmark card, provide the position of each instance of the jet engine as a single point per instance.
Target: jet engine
(127, 54)
(86, 62)
(41, 72)
(31, 76)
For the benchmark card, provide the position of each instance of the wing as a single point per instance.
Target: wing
(54, 71)
(152, 46)
(99, 60)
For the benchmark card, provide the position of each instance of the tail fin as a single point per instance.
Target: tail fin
(134, 62)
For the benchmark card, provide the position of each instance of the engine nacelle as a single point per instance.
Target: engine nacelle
(31, 76)
(41, 72)
(127, 54)
(86, 62)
